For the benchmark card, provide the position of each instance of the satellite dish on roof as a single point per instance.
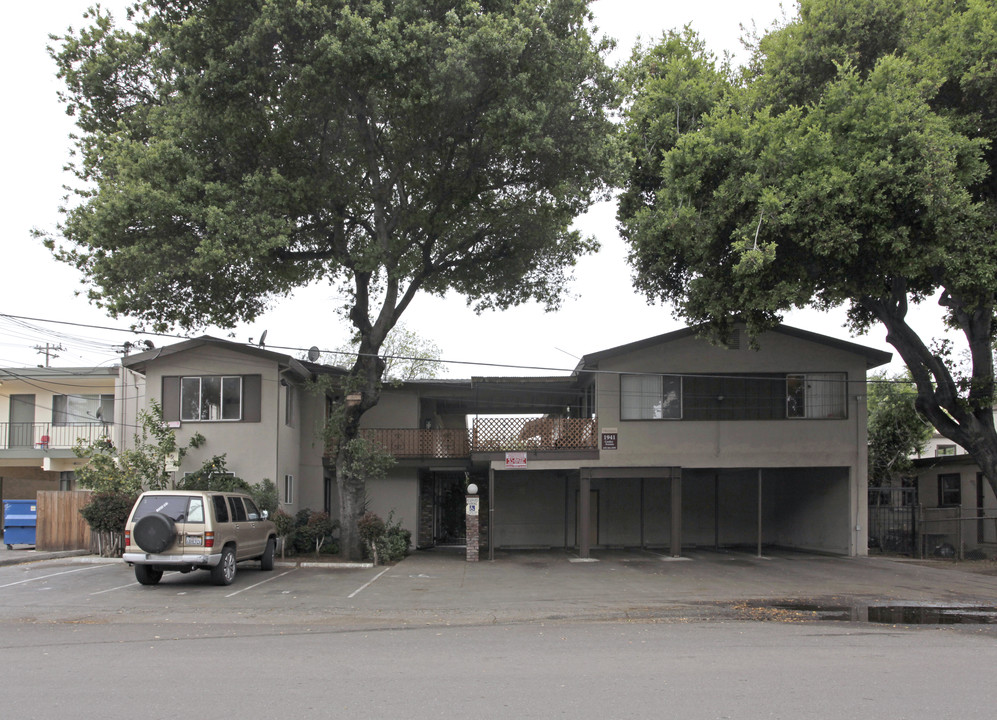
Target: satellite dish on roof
(313, 353)
(263, 338)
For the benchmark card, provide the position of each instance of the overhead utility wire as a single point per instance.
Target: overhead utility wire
(472, 363)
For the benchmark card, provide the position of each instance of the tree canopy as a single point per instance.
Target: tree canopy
(230, 151)
(896, 432)
(851, 163)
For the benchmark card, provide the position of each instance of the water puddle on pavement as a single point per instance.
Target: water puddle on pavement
(878, 614)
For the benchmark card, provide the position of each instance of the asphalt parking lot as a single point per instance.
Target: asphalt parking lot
(437, 587)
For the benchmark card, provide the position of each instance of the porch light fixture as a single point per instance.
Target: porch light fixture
(472, 489)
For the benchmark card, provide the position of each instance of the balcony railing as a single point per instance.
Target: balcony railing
(47, 436)
(487, 435)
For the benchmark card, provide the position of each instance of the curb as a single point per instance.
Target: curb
(22, 557)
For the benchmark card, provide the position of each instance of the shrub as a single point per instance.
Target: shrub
(307, 531)
(386, 541)
(214, 475)
(106, 514)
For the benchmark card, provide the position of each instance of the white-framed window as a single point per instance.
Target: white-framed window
(944, 450)
(816, 395)
(211, 397)
(76, 409)
(650, 397)
(288, 489)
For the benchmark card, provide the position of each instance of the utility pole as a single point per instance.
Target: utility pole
(49, 351)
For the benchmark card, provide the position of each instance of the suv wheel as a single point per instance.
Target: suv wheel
(266, 562)
(148, 575)
(224, 572)
(154, 533)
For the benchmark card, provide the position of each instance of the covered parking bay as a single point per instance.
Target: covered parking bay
(671, 508)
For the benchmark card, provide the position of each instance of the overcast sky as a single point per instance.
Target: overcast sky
(602, 311)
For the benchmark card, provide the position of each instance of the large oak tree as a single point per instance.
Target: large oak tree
(230, 151)
(852, 163)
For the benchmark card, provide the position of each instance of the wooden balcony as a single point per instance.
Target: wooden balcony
(488, 435)
(48, 436)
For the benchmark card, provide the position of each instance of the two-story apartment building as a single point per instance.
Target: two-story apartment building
(669, 442)
(44, 412)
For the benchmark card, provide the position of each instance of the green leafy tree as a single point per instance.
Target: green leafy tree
(232, 151)
(406, 355)
(118, 476)
(851, 164)
(143, 466)
(897, 432)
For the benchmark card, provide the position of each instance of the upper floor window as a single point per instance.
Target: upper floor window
(75, 409)
(816, 395)
(211, 397)
(650, 397)
(733, 397)
(944, 450)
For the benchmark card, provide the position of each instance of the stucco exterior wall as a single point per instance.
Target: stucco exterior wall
(398, 493)
(734, 443)
(252, 449)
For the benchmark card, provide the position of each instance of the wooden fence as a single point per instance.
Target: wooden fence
(60, 525)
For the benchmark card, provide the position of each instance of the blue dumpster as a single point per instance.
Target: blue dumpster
(20, 519)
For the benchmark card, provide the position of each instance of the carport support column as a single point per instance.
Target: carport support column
(759, 512)
(584, 502)
(676, 514)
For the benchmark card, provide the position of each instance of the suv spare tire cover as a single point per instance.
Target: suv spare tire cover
(154, 533)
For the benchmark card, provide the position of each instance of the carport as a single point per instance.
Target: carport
(670, 508)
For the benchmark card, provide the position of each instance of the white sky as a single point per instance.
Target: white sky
(602, 312)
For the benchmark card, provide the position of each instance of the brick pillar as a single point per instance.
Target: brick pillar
(473, 528)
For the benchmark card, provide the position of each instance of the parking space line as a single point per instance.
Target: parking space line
(122, 587)
(262, 582)
(45, 577)
(367, 584)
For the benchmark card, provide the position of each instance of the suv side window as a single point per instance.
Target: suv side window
(238, 511)
(221, 509)
(195, 510)
(251, 509)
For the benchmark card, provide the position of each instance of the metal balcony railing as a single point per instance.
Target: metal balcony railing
(49, 436)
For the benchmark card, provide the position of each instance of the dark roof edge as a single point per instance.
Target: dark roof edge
(874, 357)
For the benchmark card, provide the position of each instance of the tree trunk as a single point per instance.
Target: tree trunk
(965, 415)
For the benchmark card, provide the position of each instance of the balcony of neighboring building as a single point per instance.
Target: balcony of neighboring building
(24, 439)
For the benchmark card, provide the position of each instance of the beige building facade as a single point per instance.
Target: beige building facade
(667, 444)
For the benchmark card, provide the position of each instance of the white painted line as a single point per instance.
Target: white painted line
(45, 577)
(262, 582)
(367, 584)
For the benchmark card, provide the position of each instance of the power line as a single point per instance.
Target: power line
(467, 363)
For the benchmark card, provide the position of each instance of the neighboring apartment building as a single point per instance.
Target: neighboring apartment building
(44, 412)
(958, 507)
(666, 443)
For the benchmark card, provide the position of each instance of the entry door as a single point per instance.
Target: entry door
(593, 519)
(20, 432)
(450, 518)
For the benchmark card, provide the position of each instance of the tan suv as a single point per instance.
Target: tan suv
(189, 529)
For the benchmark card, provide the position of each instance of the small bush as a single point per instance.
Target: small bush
(385, 541)
(106, 514)
(307, 532)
